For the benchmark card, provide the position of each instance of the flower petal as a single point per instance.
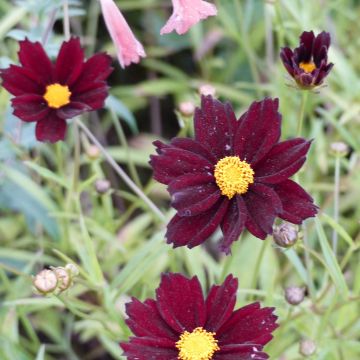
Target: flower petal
(180, 302)
(146, 348)
(286, 55)
(96, 69)
(241, 352)
(173, 162)
(263, 205)
(33, 57)
(187, 13)
(297, 203)
(258, 130)
(51, 129)
(249, 324)
(194, 230)
(72, 110)
(233, 223)
(30, 107)
(306, 46)
(20, 81)
(145, 320)
(215, 124)
(94, 97)
(69, 62)
(321, 46)
(220, 303)
(193, 194)
(283, 161)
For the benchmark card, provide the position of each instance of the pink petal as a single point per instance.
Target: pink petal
(129, 50)
(187, 13)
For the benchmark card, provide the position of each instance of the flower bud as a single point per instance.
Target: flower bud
(207, 89)
(285, 235)
(294, 295)
(93, 152)
(45, 281)
(307, 347)
(63, 277)
(339, 149)
(102, 186)
(72, 269)
(187, 108)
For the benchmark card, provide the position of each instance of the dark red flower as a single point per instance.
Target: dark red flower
(181, 324)
(234, 174)
(48, 93)
(307, 64)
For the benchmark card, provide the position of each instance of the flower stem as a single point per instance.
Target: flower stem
(76, 172)
(302, 113)
(336, 201)
(122, 173)
(258, 266)
(66, 21)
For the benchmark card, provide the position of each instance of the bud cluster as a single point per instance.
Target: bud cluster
(55, 280)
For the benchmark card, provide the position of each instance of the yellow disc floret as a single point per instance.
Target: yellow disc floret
(308, 67)
(233, 176)
(57, 95)
(197, 345)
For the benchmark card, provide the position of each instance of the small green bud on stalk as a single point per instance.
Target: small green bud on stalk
(307, 347)
(285, 235)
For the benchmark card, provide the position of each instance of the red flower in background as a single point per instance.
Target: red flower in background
(307, 64)
(235, 174)
(48, 93)
(182, 324)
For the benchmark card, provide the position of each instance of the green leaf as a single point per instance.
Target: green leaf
(41, 353)
(338, 228)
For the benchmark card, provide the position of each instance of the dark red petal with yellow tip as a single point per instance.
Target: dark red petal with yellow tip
(180, 302)
(283, 161)
(220, 303)
(193, 194)
(51, 129)
(69, 62)
(30, 107)
(258, 131)
(145, 320)
(297, 203)
(33, 57)
(20, 81)
(215, 124)
(263, 205)
(149, 348)
(250, 324)
(233, 223)
(192, 231)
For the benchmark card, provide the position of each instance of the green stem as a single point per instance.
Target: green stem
(122, 173)
(66, 20)
(258, 266)
(336, 202)
(76, 172)
(120, 132)
(302, 112)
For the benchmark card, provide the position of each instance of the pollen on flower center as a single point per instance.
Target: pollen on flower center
(57, 95)
(233, 176)
(308, 67)
(197, 345)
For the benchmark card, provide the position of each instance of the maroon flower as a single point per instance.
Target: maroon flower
(181, 324)
(234, 174)
(49, 93)
(307, 64)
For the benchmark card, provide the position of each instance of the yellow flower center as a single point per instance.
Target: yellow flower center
(233, 176)
(308, 67)
(197, 345)
(57, 95)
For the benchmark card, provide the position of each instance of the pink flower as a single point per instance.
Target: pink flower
(187, 13)
(129, 49)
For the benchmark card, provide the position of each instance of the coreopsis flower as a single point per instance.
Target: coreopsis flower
(308, 63)
(235, 174)
(187, 13)
(129, 49)
(48, 93)
(181, 324)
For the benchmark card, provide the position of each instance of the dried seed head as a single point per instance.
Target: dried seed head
(207, 89)
(285, 235)
(187, 108)
(63, 277)
(102, 186)
(339, 148)
(307, 347)
(72, 269)
(45, 282)
(294, 295)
